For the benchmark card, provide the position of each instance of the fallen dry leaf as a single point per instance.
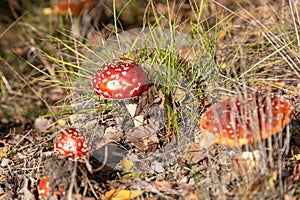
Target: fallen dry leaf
(162, 185)
(296, 172)
(119, 194)
(190, 192)
(194, 153)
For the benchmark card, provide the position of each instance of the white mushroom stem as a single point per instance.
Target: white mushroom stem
(139, 119)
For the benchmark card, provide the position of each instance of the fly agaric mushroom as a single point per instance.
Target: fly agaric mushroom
(239, 120)
(189, 53)
(74, 8)
(71, 143)
(44, 189)
(121, 79)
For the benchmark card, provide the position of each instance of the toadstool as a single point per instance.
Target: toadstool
(189, 53)
(74, 8)
(71, 143)
(44, 188)
(239, 120)
(121, 79)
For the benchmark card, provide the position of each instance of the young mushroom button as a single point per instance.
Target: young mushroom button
(239, 120)
(71, 143)
(189, 53)
(121, 79)
(44, 189)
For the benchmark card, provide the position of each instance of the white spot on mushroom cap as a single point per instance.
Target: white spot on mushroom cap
(105, 93)
(104, 80)
(134, 89)
(42, 191)
(113, 85)
(215, 129)
(114, 76)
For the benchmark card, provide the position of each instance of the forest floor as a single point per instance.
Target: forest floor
(48, 55)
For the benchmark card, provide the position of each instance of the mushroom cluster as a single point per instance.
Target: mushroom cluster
(242, 119)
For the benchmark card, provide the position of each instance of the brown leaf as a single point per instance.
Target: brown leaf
(190, 192)
(296, 172)
(194, 153)
(138, 143)
(114, 133)
(147, 99)
(162, 185)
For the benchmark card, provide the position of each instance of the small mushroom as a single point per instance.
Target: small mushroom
(44, 189)
(71, 143)
(242, 119)
(189, 53)
(121, 79)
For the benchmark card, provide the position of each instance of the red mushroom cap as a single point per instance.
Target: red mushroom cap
(239, 120)
(44, 188)
(71, 143)
(74, 8)
(120, 78)
(189, 53)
